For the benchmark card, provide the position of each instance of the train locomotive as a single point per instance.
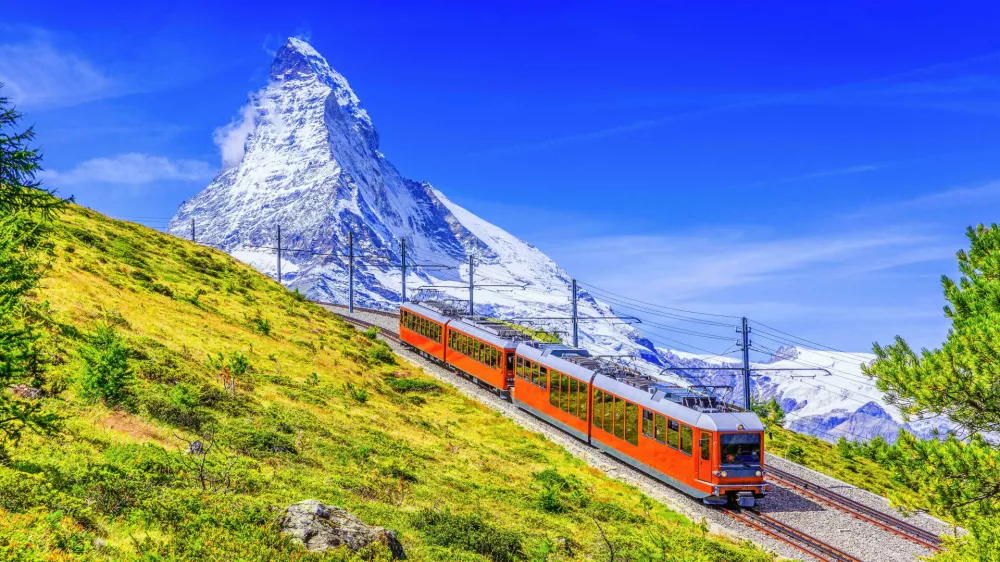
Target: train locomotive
(682, 437)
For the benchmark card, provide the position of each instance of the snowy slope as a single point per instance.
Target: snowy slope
(304, 156)
(832, 399)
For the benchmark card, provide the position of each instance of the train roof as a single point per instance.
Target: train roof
(683, 404)
(481, 327)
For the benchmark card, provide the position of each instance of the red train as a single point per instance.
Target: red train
(686, 439)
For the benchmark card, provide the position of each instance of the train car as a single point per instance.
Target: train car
(423, 327)
(684, 438)
(484, 349)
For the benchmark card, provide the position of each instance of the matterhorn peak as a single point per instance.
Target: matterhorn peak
(296, 58)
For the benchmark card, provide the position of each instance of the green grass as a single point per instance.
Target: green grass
(825, 458)
(297, 405)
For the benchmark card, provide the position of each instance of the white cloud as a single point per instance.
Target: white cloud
(132, 169)
(37, 74)
(957, 196)
(232, 138)
(676, 268)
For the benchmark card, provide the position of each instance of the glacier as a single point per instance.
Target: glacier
(304, 155)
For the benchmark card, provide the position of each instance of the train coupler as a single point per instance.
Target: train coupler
(745, 499)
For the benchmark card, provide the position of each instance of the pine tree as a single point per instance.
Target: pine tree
(958, 476)
(25, 209)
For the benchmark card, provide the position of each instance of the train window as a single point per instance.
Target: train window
(553, 391)
(538, 373)
(609, 412)
(563, 388)
(647, 423)
(705, 445)
(687, 440)
(571, 401)
(493, 357)
(598, 408)
(510, 361)
(496, 358)
(581, 411)
(519, 370)
(739, 448)
(661, 429)
(631, 423)
(543, 378)
(619, 409)
(672, 434)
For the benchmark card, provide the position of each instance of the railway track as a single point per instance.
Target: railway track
(367, 325)
(789, 535)
(827, 496)
(386, 313)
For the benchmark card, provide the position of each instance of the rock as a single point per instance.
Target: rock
(26, 392)
(196, 448)
(320, 527)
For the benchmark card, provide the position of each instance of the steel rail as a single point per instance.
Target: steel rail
(789, 535)
(861, 511)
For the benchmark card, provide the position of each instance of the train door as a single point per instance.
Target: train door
(705, 456)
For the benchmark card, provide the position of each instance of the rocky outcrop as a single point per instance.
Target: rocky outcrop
(320, 527)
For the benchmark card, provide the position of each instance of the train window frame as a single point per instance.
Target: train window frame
(631, 423)
(519, 366)
(598, 410)
(619, 416)
(609, 413)
(554, 394)
(582, 404)
(660, 428)
(563, 388)
(572, 399)
(687, 446)
(705, 445)
(673, 433)
(647, 423)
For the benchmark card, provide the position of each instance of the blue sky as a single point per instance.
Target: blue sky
(810, 166)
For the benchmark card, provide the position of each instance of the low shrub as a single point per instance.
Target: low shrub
(410, 384)
(470, 533)
(380, 353)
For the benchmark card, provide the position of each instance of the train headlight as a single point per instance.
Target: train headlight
(758, 473)
(724, 474)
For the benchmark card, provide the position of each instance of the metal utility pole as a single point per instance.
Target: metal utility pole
(576, 320)
(745, 331)
(192, 231)
(472, 284)
(402, 254)
(279, 254)
(350, 271)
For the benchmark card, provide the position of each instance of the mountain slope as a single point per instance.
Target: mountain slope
(321, 413)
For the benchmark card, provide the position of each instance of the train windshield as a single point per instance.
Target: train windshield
(740, 448)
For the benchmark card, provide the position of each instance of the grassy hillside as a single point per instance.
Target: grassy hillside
(319, 410)
(834, 461)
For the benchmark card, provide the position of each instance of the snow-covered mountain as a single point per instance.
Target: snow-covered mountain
(310, 162)
(832, 399)
(304, 156)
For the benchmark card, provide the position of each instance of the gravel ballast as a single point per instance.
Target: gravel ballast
(837, 528)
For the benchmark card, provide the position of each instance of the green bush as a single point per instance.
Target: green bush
(796, 454)
(469, 533)
(371, 333)
(410, 384)
(259, 324)
(381, 353)
(106, 373)
(256, 440)
(177, 405)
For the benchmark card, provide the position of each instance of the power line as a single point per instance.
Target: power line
(657, 305)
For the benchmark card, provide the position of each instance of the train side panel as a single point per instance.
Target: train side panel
(553, 395)
(477, 357)
(423, 333)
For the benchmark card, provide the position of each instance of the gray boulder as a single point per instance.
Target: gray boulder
(320, 527)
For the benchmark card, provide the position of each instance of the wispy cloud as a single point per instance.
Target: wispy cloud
(39, 75)
(673, 268)
(966, 195)
(909, 81)
(132, 169)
